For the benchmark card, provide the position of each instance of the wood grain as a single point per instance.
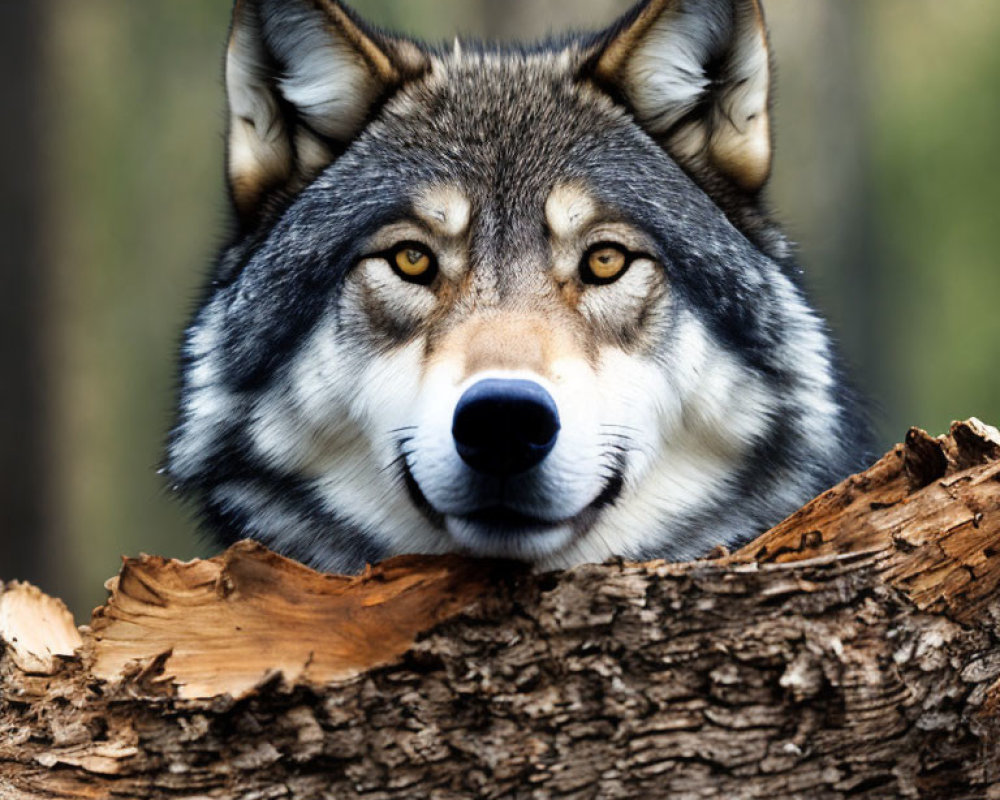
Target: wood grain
(853, 651)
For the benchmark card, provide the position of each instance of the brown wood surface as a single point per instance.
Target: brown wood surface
(852, 651)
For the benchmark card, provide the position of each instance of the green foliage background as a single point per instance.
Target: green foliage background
(887, 127)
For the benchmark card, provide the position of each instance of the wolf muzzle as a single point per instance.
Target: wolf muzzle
(503, 427)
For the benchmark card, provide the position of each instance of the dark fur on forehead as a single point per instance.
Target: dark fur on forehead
(503, 125)
(506, 125)
(746, 209)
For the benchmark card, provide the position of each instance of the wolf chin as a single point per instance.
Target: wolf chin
(523, 303)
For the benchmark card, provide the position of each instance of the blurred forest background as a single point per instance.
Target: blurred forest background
(888, 161)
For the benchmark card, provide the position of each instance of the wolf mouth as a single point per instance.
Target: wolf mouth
(502, 517)
(501, 531)
(491, 534)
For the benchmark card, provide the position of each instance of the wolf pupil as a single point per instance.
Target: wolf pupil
(604, 264)
(414, 264)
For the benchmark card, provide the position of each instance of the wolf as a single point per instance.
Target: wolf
(517, 302)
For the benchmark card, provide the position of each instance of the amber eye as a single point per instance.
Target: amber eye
(414, 262)
(604, 263)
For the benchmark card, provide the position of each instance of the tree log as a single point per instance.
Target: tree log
(851, 652)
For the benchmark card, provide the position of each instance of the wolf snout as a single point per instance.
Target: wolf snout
(503, 427)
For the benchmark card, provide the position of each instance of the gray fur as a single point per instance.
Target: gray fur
(308, 381)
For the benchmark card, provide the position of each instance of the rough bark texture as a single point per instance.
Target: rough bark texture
(852, 651)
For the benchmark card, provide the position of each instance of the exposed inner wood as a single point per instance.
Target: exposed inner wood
(929, 508)
(36, 629)
(224, 625)
(852, 651)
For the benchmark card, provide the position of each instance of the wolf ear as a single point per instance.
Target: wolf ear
(696, 74)
(302, 77)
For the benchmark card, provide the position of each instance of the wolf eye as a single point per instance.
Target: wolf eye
(413, 262)
(604, 263)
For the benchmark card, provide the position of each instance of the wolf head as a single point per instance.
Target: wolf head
(520, 303)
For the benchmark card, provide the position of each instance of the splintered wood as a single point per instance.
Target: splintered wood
(850, 652)
(927, 509)
(225, 625)
(36, 629)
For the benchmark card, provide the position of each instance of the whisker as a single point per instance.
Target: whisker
(624, 443)
(404, 452)
(621, 427)
(396, 462)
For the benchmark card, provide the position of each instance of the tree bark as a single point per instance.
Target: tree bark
(850, 652)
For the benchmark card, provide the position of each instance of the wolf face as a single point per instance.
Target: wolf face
(512, 303)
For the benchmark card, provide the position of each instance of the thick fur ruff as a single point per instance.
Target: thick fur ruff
(697, 391)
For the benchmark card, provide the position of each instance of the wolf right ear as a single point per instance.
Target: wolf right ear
(696, 73)
(302, 76)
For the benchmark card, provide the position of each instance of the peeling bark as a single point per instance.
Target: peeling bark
(850, 652)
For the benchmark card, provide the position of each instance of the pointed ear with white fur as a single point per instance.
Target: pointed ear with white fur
(302, 77)
(696, 74)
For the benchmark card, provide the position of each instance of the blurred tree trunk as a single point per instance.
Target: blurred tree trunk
(23, 395)
(533, 19)
(844, 170)
(823, 168)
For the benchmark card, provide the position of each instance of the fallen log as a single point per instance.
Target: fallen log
(851, 652)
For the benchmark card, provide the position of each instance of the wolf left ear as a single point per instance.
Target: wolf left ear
(302, 77)
(696, 74)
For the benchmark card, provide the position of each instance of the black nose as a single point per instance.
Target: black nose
(503, 427)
